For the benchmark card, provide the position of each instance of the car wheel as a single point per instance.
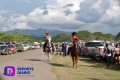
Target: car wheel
(22, 50)
(7, 53)
(10, 52)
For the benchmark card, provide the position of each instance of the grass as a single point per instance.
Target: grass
(87, 69)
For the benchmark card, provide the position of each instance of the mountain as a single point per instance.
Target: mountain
(38, 33)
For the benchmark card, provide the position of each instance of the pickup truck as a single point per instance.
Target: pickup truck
(90, 47)
(99, 50)
(94, 49)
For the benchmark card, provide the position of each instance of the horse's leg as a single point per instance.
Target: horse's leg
(46, 56)
(119, 61)
(73, 61)
(50, 56)
(76, 61)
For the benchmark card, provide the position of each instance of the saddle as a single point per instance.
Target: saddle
(50, 45)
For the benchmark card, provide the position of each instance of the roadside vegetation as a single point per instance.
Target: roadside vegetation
(87, 36)
(87, 69)
(15, 37)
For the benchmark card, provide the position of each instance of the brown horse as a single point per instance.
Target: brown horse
(74, 54)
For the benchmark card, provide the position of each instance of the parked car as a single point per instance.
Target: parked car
(36, 46)
(5, 50)
(12, 48)
(27, 46)
(2, 43)
(90, 47)
(20, 47)
(99, 50)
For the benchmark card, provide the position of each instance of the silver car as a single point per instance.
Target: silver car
(20, 47)
(5, 50)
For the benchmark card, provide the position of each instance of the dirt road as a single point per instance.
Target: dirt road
(31, 58)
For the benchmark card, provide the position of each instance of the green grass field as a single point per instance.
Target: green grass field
(87, 69)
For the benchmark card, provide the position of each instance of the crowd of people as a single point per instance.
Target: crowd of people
(64, 47)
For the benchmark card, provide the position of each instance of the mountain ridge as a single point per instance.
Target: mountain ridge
(38, 33)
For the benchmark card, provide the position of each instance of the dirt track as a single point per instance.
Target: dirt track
(31, 58)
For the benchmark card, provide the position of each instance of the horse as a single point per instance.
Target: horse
(74, 54)
(48, 51)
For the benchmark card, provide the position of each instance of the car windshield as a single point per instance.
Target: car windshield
(10, 46)
(18, 45)
(93, 44)
(2, 47)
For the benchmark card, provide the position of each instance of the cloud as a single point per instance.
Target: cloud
(92, 10)
(16, 23)
(2, 18)
(68, 15)
(112, 16)
(69, 5)
(51, 16)
(29, 1)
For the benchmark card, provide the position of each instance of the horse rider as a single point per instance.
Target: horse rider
(47, 40)
(75, 38)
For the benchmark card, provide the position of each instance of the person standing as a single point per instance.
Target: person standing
(108, 55)
(117, 52)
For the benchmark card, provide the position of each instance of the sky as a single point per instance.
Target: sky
(65, 15)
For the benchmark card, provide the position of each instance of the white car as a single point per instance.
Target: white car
(36, 46)
(27, 46)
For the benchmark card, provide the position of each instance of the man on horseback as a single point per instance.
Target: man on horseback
(47, 40)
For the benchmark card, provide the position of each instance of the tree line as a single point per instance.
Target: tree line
(15, 37)
(83, 35)
(87, 36)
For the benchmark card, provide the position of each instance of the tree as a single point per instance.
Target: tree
(85, 35)
(1, 36)
(117, 38)
(15, 37)
(61, 38)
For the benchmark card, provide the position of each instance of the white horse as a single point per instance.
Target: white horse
(48, 50)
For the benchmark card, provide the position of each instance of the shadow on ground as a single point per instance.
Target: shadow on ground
(59, 65)
(97, 64)
(93, 79)
(34, 60)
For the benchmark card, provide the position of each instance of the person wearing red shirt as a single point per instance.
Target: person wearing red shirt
(74, 38)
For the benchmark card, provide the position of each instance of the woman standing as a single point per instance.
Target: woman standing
(117, 54)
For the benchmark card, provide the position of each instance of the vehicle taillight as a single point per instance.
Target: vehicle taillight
(100, 49)
(86, 50)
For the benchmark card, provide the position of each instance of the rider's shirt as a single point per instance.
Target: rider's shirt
(47, 38)
(75, 38)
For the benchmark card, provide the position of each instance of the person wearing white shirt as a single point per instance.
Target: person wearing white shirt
(108, 54)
